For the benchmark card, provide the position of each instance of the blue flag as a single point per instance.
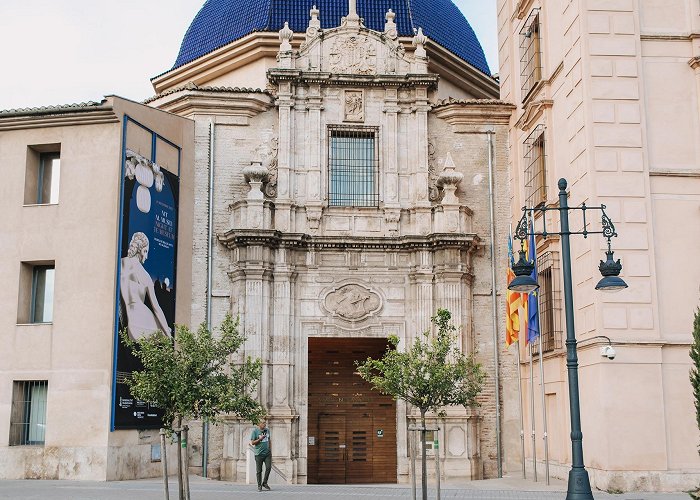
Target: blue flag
(533, 320)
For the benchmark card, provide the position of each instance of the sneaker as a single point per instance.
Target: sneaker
(266, 487)
(259, 488)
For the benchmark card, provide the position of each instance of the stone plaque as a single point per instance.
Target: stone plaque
(352, 302)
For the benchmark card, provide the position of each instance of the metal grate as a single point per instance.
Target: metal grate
(353, 167)
(548, 276)
(530, 54)
(535, 168)
(28, 414)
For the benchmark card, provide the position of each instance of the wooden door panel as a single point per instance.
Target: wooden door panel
(344, 411)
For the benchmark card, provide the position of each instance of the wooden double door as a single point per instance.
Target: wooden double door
(352, 428)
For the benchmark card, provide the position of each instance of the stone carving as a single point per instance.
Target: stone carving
(255, 174)
(433, 190)
(314, 24)
(448, 180)
(286, 35)
(270, 162)
(352, 302)
(353, 54)
(354, 106)
(390, 27)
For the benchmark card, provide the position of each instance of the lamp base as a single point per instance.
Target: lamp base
(579, 485)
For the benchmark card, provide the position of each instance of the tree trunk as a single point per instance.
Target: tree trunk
(181, 491)
(164, 462)
(186, 465)
(424, 453)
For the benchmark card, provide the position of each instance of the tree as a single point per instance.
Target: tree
(695, 370)
(194, 377)
(430, 374)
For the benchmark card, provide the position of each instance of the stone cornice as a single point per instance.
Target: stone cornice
(58, 116)
(473, 111)
(522, 8)
(276, 239)
(452, 68)
(223, 60)
(323, 78)
(532, 112)
(188, 102)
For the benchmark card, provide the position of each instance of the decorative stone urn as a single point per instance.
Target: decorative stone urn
(255, 174)
(448, 180)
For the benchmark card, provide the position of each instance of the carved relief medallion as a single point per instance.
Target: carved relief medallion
(353, 54)
(352, 302)
(354, 106)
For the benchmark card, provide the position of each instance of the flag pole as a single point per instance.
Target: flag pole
(532, 419)
(544, 416)
(520, 401)
(544, 405)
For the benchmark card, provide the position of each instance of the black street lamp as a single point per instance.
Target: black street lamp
(579, 487)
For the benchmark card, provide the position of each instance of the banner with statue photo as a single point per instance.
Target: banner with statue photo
(146, 276)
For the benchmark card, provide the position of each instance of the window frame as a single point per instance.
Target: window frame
(349, 200)
(549, 298)
(40, 168)
(24, 425)
(535, 168)
(530, 53)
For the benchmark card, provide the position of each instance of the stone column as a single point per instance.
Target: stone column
(392, 210)
(423, 217)
(285, 187)
(314, 178)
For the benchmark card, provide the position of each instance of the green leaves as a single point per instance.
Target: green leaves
(429, 374)
(695, 370)
(194, 378)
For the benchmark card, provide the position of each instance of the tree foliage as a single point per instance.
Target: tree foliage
(429, 374)
(195, 377)
(695, 370)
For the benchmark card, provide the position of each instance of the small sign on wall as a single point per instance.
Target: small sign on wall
(380, 433)
(312, 440)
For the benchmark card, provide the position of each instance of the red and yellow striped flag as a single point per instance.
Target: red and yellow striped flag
(513, 305)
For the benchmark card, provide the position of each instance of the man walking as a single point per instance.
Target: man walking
(260, 441)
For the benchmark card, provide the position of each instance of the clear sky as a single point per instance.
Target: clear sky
(67, 51)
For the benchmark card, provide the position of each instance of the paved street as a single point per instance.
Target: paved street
(150, 489)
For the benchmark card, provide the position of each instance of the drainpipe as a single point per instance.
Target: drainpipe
(210, 237)
(494, 306)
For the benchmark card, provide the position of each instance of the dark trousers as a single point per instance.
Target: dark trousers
(259, 459)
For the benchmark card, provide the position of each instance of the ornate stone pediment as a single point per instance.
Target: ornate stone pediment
(352, 302)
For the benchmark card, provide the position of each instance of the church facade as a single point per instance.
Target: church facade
(350, 173)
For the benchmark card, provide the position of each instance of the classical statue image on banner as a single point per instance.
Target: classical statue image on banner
(136, 285)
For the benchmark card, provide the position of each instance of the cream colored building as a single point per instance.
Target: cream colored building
(607, 96)
(59, 199)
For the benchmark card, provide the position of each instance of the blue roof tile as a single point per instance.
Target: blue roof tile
(220, 22)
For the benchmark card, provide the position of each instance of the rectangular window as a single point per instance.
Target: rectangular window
(353, 167)
(549, 296)
(535, 168)
(43, 175)
(530, 54)
(28, 413)
(36, 291)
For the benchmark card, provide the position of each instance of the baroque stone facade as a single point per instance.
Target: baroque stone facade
(293, 265)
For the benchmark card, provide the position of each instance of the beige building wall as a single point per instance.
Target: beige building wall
(74, 352)
(618, 100)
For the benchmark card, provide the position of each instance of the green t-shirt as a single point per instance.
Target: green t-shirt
(263, 447)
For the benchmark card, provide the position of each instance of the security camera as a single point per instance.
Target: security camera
(608, 351)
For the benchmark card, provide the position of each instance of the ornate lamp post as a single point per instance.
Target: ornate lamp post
(579, 487)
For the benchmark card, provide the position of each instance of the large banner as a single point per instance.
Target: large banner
(147, 277)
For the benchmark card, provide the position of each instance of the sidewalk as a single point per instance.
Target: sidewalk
(203, 489)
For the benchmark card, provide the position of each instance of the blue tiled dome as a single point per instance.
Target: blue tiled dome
(220, 22)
